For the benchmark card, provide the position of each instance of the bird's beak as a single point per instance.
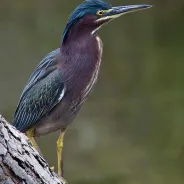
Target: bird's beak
(120, 10)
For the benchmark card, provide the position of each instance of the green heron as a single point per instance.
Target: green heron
(63, 80)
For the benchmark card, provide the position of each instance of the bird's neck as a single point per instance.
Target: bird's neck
(81, 45)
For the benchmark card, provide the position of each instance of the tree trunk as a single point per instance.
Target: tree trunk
(20, 163)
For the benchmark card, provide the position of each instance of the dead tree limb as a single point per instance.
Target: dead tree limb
(20, 163)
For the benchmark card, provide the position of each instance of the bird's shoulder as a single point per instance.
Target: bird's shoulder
(47, 65)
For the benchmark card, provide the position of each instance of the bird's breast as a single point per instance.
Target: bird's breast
(94, 75)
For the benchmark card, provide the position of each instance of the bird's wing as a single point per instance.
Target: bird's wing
(43, 91)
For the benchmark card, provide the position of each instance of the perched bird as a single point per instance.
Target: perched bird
(63, 80)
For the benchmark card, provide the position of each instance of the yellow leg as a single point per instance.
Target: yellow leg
(30, 135)
(60, 152)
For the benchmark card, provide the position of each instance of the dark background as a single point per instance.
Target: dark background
(130, 131)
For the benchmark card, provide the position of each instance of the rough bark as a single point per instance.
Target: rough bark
(20, 163)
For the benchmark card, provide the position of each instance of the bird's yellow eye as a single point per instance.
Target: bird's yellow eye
(100, 12)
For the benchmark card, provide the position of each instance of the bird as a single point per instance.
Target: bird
(63, 80)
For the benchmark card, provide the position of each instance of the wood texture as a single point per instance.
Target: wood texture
(20, 163)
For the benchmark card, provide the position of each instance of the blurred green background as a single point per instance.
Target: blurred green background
(130, 131)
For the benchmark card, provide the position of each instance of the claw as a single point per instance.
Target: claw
(52, 168)
(63, 180)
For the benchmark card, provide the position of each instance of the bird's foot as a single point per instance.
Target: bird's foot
(52, 168)
(63, 180)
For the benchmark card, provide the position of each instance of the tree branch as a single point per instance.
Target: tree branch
(20, 163)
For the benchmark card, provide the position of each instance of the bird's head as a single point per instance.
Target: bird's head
(92, 14)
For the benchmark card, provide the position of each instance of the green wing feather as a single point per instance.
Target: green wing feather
(43, 91)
